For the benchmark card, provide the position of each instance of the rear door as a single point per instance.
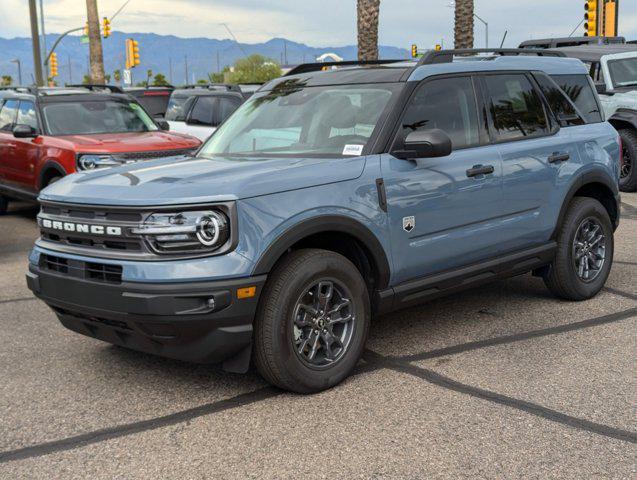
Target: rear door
(534, 151)
(441, 215)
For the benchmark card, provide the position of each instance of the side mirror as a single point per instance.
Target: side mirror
(601, 88)
(426, 144)
(163, 125)
(24, 131)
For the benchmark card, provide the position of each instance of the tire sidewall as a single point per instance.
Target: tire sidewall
(317, 268)
(583, 210)
(629, 140)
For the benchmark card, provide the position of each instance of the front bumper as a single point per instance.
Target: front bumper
(201, 322)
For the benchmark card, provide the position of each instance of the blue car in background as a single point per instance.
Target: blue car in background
(333, 196)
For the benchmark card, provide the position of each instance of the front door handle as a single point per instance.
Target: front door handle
(559, 157)
(480, 170)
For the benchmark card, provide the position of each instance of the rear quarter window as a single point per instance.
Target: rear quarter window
(579, 88)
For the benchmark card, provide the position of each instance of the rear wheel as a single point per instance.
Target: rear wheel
(585, 247)
(4, 205)
(312, 322)
(628, 172)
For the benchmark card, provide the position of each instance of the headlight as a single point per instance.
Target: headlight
(186, 232)
(92, 162)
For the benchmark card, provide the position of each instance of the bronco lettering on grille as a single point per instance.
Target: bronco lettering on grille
(81, 228)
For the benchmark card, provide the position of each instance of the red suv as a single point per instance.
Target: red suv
(47, 133)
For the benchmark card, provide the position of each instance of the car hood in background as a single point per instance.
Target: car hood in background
(187, 180)
(130, 142)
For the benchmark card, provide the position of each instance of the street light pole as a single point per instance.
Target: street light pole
(17, 60)
(35, 40)
(486, 25)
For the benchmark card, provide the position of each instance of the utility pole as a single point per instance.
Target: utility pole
(218, 63)
(70, 74)
(186, 67)
(170, 70)
(96, 55)
(43, 33)
(35, 39)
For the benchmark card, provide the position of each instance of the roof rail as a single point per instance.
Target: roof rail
(446, 56)
(211, 86)
(22, 89)
(95, 86)
(318, 66)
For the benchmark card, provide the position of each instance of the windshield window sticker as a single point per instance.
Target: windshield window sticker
(353, 150)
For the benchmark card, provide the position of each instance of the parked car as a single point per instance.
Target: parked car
(614, 70)
(153, 99)
(570, 42)
(47, 133)
(198, 110)
(330, 197)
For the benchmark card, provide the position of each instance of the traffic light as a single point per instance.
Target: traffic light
(53, 65)
(438, 47)
(106, 27)
(590, 26)
(414, 51)
(610, 18)
(86, 29)
(132, 53)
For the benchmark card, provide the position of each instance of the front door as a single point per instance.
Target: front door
(26, 151)
(442, 213)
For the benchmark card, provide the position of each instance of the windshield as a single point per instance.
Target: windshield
(623, 72)
(176, 110)
(294, 120)
(93, 117)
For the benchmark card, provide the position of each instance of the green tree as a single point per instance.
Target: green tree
(159, 80)
(6, 80)
(86, 80)
(107, 78)
(254, 69)
(202, 81)
(219, 77)
(117, 75)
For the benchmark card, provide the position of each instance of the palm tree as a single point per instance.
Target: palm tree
(463, 32)
(367, 13)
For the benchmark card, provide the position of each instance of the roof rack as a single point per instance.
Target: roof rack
(446, 56)
(95, 87)
(318, 66)
(22, 89)
(213, 86)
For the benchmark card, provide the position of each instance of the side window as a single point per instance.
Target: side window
(202, 111)
(560, 104)
(580, 91)
(27, 115)
(448, 104)
(225, 108)
(8, 115)
(516, 107)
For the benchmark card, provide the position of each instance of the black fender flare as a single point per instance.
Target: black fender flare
(588, 178)
(46, 168)
(624, 115)
(320, 224)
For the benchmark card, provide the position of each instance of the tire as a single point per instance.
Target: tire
(565, 277)
(52, 180)
(628, 177)
(282, 348)
(4, 205)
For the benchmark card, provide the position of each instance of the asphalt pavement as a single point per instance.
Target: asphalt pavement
(504, 381)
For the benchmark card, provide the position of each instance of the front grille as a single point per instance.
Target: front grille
(154, 154)
(96, 272)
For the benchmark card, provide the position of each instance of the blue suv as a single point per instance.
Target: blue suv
(333, 196)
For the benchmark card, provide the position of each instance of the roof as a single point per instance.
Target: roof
(556, 41)
(593, 53)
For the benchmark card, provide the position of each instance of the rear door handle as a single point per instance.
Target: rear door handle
(559, 157)
(480, 170)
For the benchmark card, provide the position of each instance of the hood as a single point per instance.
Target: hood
(187, 180)
(130, 142)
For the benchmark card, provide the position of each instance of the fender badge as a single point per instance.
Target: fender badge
(409, 223)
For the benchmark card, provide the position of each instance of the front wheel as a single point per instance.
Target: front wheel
(628, 172)
(585, 247)
(312, 322)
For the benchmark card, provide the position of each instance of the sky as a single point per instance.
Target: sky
(318, 22)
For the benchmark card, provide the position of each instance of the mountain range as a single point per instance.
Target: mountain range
(173, 56)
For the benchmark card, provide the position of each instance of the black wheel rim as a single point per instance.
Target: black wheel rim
(324, 319)
(627, 163)
(589, 250)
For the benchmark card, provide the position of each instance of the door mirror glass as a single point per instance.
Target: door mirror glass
(24, 131)
(426, 144)
(163, 125)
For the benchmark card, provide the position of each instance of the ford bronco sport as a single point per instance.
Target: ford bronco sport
(47, 133)
(614, 71)
(332, 196)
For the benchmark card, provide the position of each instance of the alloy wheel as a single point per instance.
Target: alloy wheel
(627, 163)
(324, 319)
(589, 250)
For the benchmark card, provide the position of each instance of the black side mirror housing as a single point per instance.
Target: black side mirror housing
(24, 131)
(163, 125)
(601, 88)
(426, 144)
